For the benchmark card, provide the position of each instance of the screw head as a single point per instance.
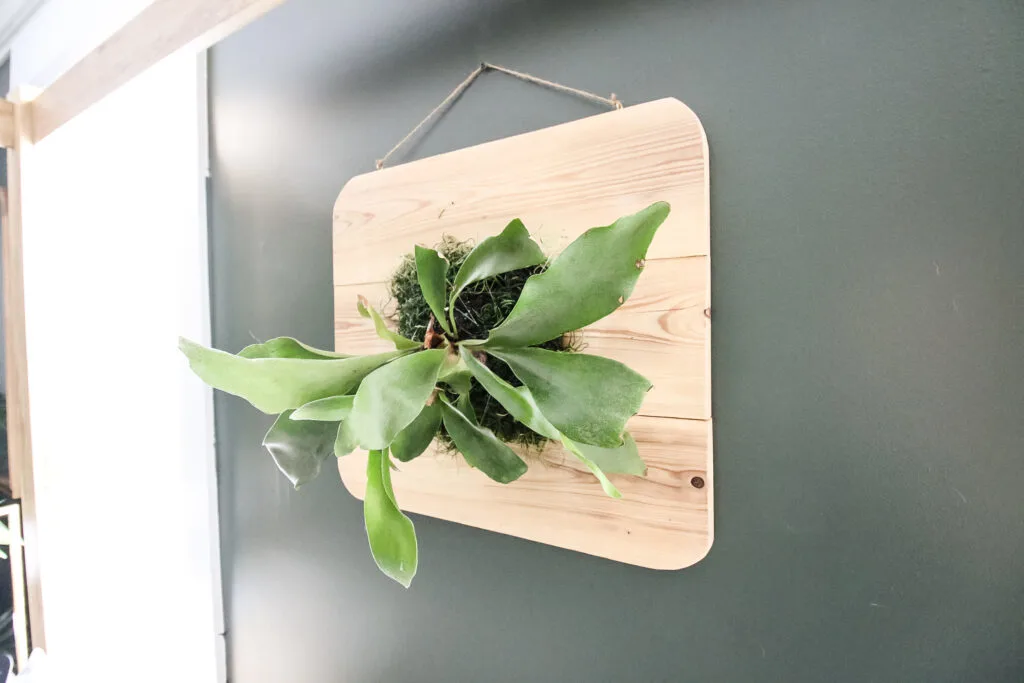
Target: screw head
(697, 482)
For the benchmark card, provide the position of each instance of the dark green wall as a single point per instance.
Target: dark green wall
(867, 164)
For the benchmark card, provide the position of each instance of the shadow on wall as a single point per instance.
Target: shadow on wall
(367, 60)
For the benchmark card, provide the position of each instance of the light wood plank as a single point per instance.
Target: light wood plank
(660, 332)
(6, 124)
(661, 521)
(580, 175)
(19, 436)
(159, 31)
(562, 181)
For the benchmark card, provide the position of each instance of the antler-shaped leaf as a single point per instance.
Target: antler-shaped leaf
(516, 400)
(299, 447)
(432, 273)
(276, 384)
(330, 409)
(520, 404)
(391, 398)
(510, 250)
(587, 398)
(345, 442)
(590, 279)
(368, 311)
(287, 347)
(412, 441)
(391, 534)
(480, 447)
(622, 460)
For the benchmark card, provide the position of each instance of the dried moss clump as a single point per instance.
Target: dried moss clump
(480, 308)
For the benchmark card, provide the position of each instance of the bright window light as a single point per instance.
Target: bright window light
(115, 269)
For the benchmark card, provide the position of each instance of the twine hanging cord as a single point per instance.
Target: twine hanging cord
(612, 101)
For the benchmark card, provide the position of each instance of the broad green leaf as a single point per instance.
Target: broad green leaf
(345, 442)
(516, 400)
(590, 279)
(431, 273)
(603, 461)
(391, 534)
(459, 382)
(520, 404)
(274, 385)
(606, 484)
(587, 398)
(456, 375)
(286, 347)
(622, 460)
(299, 447)
(391, 397)
(464, 404)
(480, 447)
(330, 409)
(510, 250)
(412, 441)
(368, 311)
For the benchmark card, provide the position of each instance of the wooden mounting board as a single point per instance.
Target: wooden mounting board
(562, 181)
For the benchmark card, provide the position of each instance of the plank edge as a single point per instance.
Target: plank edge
(661, 102)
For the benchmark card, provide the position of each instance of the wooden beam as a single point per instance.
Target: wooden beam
(6, 124)
(160, 30)
(19, 436)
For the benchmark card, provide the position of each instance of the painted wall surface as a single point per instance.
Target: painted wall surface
(60, 32)
(868, 246)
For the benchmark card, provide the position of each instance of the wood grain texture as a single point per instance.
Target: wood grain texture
(562, 181)
(6, 124)
(660, 332)
(662, 521)
(19, 435)
(160, 30)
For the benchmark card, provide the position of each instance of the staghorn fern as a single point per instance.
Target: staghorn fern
(395, 403)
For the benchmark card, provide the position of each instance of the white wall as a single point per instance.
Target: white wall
(61, 32)
(115, 269)
(13, 15)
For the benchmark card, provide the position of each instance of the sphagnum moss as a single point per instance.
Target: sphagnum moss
(480, 307)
